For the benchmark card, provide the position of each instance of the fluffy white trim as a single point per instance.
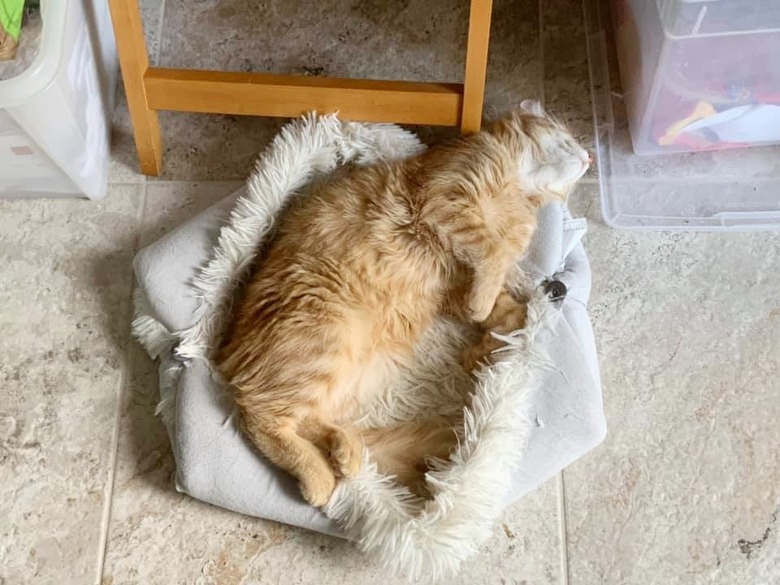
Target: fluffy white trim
(469, 491)
(417, 538)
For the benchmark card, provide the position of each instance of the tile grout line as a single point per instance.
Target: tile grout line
(108, 494)
(563, 529)
(157, 181)
(540, 25)
(127, 183)
(161, 14)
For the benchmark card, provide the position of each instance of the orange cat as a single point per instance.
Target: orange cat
(359, 269)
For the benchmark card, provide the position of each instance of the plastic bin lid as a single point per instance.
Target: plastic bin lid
(40, 74)
(695, 18)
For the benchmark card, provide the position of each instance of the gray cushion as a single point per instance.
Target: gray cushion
(216, 464)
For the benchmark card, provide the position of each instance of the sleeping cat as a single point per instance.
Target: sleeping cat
(360, 268)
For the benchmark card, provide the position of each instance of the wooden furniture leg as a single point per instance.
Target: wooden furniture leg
(134, 61)
(476, 65)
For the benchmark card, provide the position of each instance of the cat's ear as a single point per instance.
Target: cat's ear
(532, 107)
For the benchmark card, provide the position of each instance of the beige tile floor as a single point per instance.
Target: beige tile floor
(686, 488)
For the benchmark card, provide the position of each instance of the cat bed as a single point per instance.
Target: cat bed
(523, 419)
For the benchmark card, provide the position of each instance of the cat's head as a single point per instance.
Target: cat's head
(550, 161)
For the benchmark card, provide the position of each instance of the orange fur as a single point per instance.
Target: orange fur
(359, 269)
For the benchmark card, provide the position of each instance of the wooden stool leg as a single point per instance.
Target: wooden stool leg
(134, 61)
(476, 65)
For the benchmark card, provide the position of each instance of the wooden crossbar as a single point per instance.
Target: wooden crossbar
(259, 94)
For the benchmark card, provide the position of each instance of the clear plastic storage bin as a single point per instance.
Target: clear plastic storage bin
(54, 117)
(714, 188)
(699, 74)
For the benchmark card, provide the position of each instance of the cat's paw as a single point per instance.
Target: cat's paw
(480, 353)
(347, 461)
(479, 311)
(346, 453)
(317, 489)
(474, 357)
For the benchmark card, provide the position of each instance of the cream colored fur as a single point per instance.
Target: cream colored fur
(359, 268)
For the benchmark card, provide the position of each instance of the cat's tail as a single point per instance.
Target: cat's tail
(404, 450)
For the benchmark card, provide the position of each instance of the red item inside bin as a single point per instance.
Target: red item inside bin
(722, 71)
